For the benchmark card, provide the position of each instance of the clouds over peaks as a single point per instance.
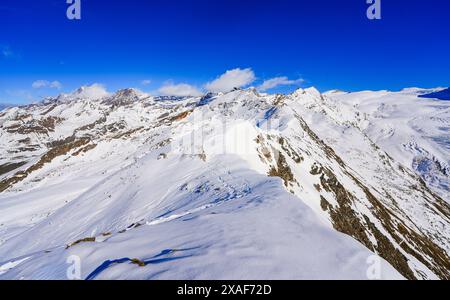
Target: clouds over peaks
(179, 90)
(231, 79)
(39, 84)
(278, 81)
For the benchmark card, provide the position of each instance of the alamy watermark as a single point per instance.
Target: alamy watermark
(74, 269)
(73, 10)
(374, 9)
(374, 270)
(221, 137)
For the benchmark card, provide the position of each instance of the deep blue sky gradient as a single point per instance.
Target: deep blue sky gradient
(329, 43)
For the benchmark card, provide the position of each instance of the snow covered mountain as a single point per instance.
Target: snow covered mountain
(413, 130)
(239, 185)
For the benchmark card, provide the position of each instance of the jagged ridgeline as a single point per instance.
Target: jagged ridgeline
(299, 186)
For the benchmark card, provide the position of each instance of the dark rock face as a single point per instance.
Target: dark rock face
(371, 215)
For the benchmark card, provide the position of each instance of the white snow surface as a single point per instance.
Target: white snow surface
(210, 211)
(414, 131)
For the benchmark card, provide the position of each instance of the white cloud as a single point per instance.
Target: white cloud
(146, 82)
(6, 52)
(56, 84)
(21, 95)
(38, 84)
(94, 91)
(231, 79)
(278, 81)
(179, 90)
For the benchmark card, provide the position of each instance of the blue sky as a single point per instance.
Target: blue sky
(329, 44)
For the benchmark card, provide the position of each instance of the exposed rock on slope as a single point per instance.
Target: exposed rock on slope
(131, 174)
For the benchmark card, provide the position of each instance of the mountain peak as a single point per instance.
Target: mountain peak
(227, 162)
(91, 92)
(128, 92)
(125, 97)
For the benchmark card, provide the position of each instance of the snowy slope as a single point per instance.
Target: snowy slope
(412, 125)
(236, 186)
(245, 229)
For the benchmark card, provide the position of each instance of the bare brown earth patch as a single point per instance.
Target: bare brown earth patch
(282, 170)
(346, 220)
(327, 149)
(85, 149)
(42, 126)
(92, 125)
(181, 116)
(49, 109)
(138, 262)
(290, 151)
(127, 134)
(85, 240)
(46, 158)
(6, 168)
(424, 249)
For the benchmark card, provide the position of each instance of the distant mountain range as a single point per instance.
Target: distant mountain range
(238, 185)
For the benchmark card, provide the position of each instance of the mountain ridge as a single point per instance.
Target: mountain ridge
(324, 149)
